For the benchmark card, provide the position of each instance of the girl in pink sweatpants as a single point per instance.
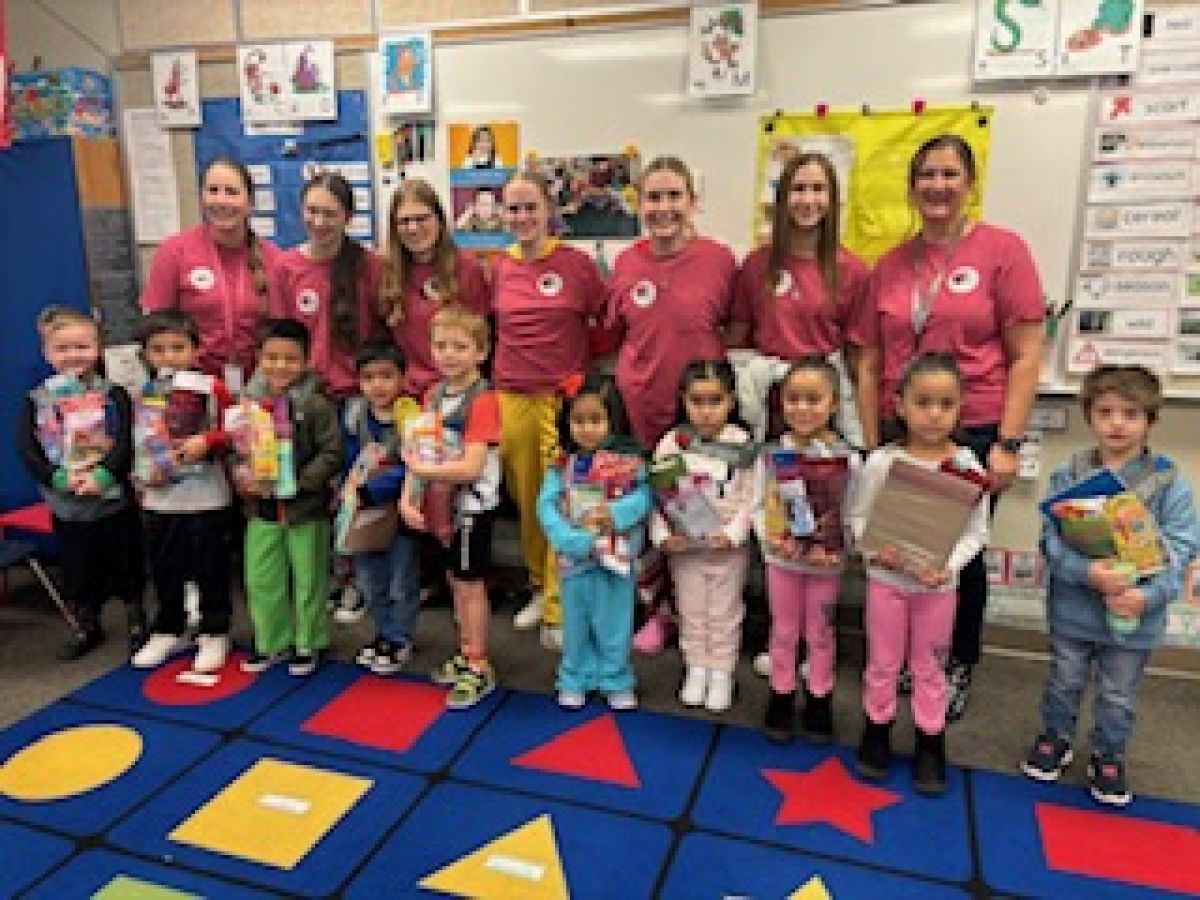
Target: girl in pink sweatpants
(911, 608)
(800, 521)
(708, 503)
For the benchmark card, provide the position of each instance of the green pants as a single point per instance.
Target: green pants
(279, 557)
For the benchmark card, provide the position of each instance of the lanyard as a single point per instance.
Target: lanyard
(925, 292)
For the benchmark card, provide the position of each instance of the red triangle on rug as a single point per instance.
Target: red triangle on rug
(595, 751)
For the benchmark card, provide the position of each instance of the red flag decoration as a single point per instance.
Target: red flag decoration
(1123, 848)
(595, 751)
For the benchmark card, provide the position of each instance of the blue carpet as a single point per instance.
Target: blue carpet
(708, 866)
(666, 752)
(603, 856)
(91, 871)
(1013, 856)
(432, 751)
(166, 751)
(123, 688)
(737, 799)
(329, 862)
(27, 855)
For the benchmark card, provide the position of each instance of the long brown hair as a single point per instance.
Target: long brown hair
(254, 258)
(783, 228)
(347, 265)
(399, 259)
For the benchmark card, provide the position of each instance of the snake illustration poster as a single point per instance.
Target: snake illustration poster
(1015, 38)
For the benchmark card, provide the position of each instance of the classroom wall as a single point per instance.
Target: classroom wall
(63, 32)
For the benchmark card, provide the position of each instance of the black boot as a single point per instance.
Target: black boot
(82, 641)
(818, 718)
(781, 716)
(135, 619)
(929, 764)
(875, 750)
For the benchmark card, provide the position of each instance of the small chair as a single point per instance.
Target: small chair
(33, 519)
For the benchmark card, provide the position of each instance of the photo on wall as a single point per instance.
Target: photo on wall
(595, 195)
(483, 157)
(484, 147)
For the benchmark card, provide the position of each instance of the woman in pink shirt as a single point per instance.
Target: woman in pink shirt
(544, 295)
(331, 284)
(423, 271)
(221, 273)
(969, 289)
(670, 297)
(803, 293)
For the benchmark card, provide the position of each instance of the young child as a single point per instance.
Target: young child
(907, 608)
(470, 418)
(709, 571)
(597, 599)
(288, 540)
(184, 498)
(1095, 611)
(389, 580)
(804, 575)
(74, 438)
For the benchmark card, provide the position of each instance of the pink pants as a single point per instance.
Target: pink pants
(803, 605)
(708, 594)
(922, 621)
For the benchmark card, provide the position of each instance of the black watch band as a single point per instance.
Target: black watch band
(1010, 445)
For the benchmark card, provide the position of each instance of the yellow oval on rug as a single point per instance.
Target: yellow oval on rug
(69, 762)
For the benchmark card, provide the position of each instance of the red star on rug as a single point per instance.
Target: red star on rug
(828, 794)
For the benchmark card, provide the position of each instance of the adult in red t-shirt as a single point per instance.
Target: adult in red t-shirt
(545, 295)
(803, 293)
(331, 284)
(423, 271)
(969, 289)
(670, 298)
(220, 273)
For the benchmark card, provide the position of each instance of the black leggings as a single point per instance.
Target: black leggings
(972, 580)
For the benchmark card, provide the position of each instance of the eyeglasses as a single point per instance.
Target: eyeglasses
(414, 221)
(658, 196)
(514, 208)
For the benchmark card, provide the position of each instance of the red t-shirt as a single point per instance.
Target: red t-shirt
(671, 310)
(990, 285)
(421, 301)
(796, 318)
(213, 284)
(304, 292)
(543, 308)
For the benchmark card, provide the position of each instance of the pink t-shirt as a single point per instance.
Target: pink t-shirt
(542, 309)
(421, 301)
(213, 284)
(304, 292)
(671, 309)
(797, 318)
(990, 285)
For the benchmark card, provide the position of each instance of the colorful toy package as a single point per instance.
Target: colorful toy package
(592, 481)
(1117, 527)
(429, 440)
(684, 487)
(260, 433)
(170, 409)
(803, 496)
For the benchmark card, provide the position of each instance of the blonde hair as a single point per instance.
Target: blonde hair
(53, 318)
(399, 260)
(469, 321)
(672, 164)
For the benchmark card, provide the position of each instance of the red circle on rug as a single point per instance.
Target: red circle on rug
(163, 688)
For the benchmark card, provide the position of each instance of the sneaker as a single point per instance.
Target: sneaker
(81, 643)
(350, 607)
(529, 616)
(817, 719)
(622, 701)
(157, 650)
(367, 652)
(695, 686)
(960, 691)
(448, 673)
(260, 662)
(929, 764)
(303, 664)
(651, 638)
(191, 603)
(571, 699)
(552, 637)
(212, 650)
(719, 695)
(762, 664)
(1048, 758)
(874, 751)
(471, 687)
(1106, 775)
(781, 717)
(391, 658)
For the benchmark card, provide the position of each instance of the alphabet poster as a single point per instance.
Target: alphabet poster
(287, 82)
(1015, 39)
(1099, 37)
(176, 88)
(723, 49)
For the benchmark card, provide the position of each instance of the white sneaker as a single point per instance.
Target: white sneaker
(212, 650)
(157, 649)
(552, 638)
(695, 684)
(762, 665)
(191, 603)
(571, 699)
(622, 701)
(719, 696)
(350, 607)
(530, 615)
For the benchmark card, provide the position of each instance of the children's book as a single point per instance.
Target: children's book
(685, 485)
(803, 498)
(590, 482)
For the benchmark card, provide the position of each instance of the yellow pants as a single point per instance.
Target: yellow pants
(528, 443)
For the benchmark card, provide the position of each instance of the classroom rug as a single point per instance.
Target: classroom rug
(350, 785)
(401, 720)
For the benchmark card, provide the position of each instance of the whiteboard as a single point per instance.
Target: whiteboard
(598, 91)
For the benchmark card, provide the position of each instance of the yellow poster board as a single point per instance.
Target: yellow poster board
(871, 150)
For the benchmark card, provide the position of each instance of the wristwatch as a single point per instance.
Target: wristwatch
(1010, 444)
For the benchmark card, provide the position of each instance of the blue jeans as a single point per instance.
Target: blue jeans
(1118, 672)
(390, 582)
